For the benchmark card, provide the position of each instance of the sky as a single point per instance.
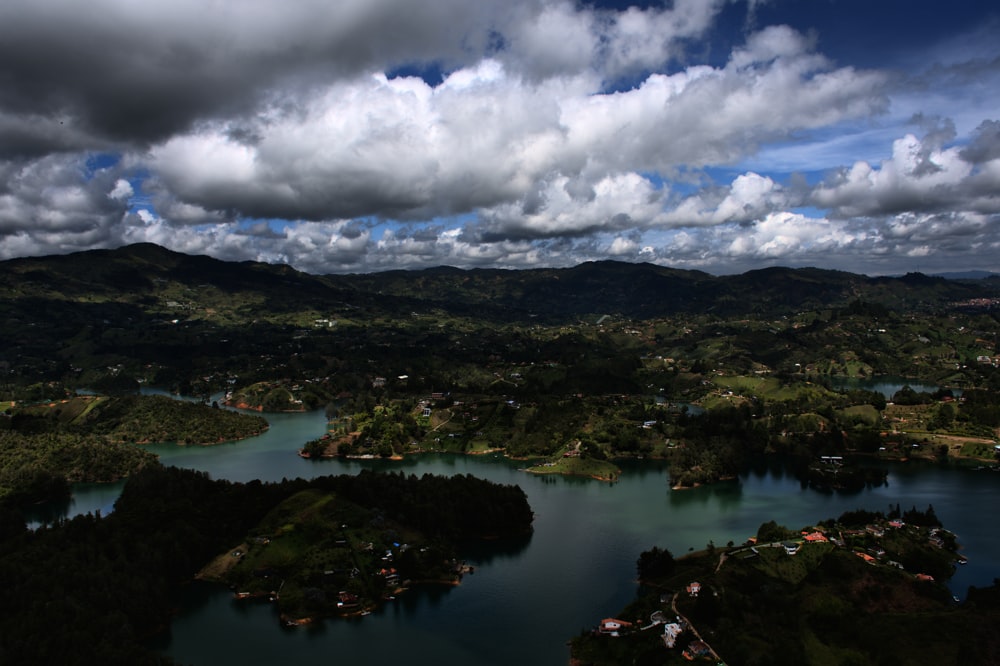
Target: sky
(367, 135)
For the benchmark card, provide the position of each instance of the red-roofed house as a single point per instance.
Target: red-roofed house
(612, 626)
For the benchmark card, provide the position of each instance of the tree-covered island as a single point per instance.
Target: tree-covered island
(348, 545)
(865, 588)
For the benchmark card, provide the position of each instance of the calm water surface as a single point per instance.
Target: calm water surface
(887, 385)
(522, 604)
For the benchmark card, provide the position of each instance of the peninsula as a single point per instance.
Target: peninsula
(865, 588)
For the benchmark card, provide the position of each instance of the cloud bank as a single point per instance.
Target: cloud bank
(361, 136)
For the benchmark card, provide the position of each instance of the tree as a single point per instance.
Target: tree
(943, 417)
(770, 532)
(655, 563)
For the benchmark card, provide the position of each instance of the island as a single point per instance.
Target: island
(864, 588)
(345, 546)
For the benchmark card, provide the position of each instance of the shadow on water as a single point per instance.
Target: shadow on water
(722, 494)
(640, 469)
(486, 552)
(48, 512)
(773, 466)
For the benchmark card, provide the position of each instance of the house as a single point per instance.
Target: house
(347, 599)
(612, 626)
(694, 588)
(670, 633)
(791, 547)
(815, 537)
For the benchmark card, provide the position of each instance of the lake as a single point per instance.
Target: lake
(523, 603)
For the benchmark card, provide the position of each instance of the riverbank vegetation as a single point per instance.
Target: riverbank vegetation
(866, 588)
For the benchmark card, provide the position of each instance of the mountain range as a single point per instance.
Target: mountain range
(148, 280)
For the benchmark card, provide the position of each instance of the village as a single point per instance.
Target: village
(881, 543)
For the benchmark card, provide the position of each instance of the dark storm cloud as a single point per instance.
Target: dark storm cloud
(139, 72)
(985, 144)
(538, 132)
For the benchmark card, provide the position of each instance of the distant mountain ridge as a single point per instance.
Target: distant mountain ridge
(967, 275)
(145, 276)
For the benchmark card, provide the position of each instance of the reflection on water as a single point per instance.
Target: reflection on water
(485, 552)
(527, 598)
(887, 385)
(87, 498)
(47, 513)
(722, 495)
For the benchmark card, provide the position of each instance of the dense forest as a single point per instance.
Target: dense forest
(40, 466)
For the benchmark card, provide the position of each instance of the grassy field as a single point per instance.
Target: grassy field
(597, 469)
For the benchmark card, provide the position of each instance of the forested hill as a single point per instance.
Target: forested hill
(147, 280)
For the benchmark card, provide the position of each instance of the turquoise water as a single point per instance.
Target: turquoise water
(524, 602)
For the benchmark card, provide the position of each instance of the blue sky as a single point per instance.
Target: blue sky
(367, 135)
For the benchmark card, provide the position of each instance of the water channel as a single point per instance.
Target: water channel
(522, 604)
